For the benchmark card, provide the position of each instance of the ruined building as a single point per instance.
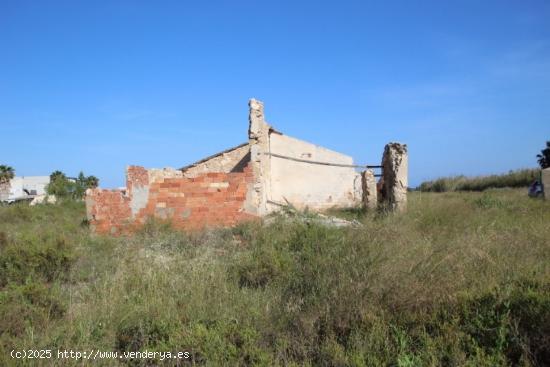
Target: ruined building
(246, 182)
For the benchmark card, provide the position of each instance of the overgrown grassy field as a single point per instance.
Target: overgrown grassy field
(517, 178)
(461, 279)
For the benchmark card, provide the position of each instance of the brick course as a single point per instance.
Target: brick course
(211, 199)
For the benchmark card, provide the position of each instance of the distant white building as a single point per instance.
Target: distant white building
(24, 188)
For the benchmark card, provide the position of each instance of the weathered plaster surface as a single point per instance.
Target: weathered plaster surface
(311, 185)
(370, 191)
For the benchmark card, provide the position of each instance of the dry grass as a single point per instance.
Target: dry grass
(518, 178)
(460, 279)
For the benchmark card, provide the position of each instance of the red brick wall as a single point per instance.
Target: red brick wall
(108, 211)
(136, 176)
(212, 199)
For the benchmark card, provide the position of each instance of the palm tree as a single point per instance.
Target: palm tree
(6, 173)
(92, 182)
(544, 157)
(57, 174)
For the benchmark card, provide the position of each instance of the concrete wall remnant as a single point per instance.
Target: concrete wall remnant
(241, 183)
(395, 176)
(310, 185)
(370, 191)
(258, 139)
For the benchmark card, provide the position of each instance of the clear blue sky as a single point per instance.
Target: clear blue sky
(98, 85)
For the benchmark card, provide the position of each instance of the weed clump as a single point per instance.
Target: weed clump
(44, 259)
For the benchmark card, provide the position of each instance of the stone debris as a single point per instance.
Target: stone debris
(43, 199)
(335, 221)
(313, 218)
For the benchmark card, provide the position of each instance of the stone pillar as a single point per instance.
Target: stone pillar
(258, 138)
(395, 176)
(370, 192)
(545, 178)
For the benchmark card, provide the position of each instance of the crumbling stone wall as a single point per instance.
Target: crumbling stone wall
(231, 160)
(258, 139)
(394, 181)
(246, 182)
(209, 199)
(370, 191)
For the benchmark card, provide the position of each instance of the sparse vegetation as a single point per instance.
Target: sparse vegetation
(518, 178)
(6, 173)
(461, 279)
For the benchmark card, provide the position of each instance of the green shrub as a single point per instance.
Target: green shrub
(45, 259)
(489, 201)
(142, 332)
(16, 213)
(70, 188)
(509, 325)
(225, 343)
(256, 273)
(28, 305)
